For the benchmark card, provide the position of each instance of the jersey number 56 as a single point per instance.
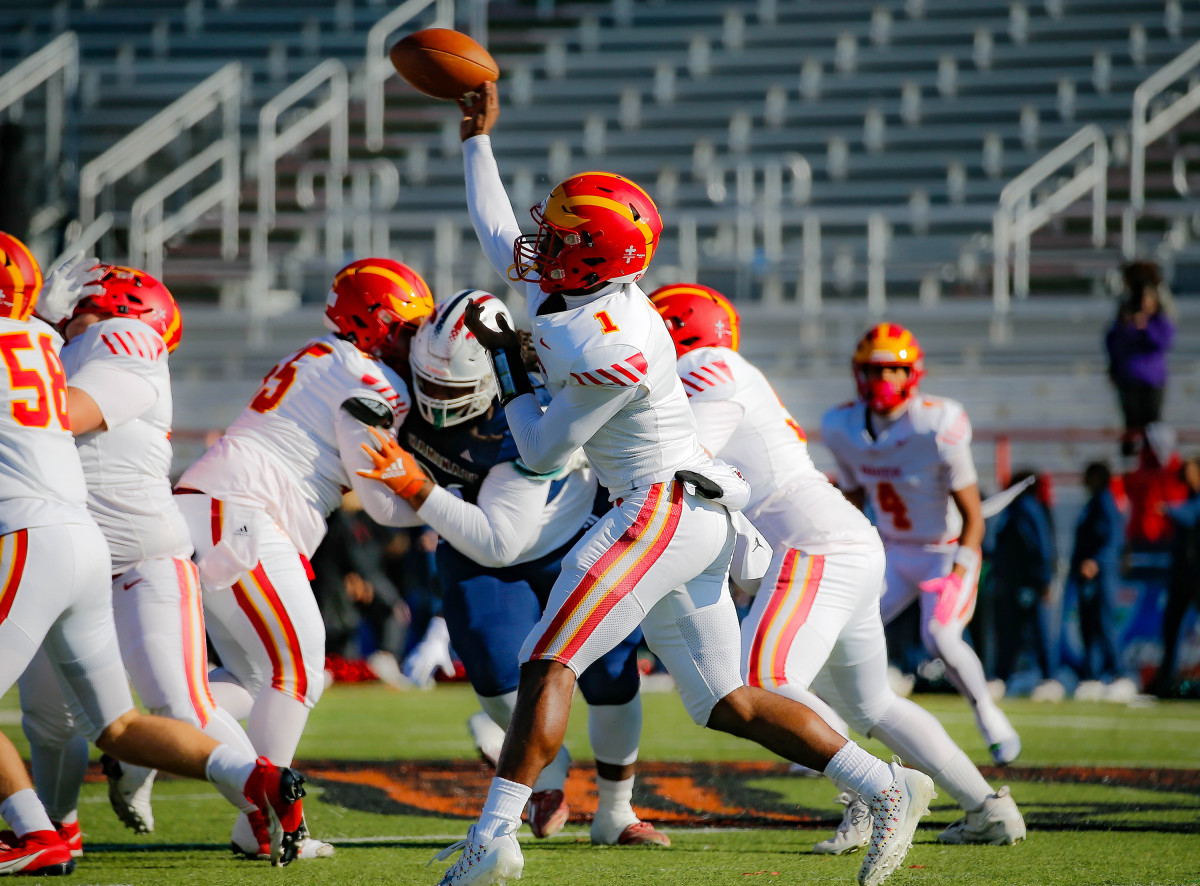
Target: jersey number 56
(33, 410)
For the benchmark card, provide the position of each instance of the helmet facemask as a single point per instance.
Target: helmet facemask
(445, 403)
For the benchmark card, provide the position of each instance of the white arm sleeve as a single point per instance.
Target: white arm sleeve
(381, 505)
(500, 527)
(960, 468)
(492, 214)
(716, 421)
(121, 395)
(547, 439)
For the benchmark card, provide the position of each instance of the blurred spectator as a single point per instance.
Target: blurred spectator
(1154, 484)
(1022, 561)
(1184, 586)
(1137, 344)
(1095, 565)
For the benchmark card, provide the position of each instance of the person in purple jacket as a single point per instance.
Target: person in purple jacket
(1137, 344)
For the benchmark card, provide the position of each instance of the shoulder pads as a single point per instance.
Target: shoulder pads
(371, 412)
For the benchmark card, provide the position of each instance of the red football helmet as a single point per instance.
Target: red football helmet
(596, 227)
(887, 345)
(20, 278)
(131, 293)
(377, 304)
(697, 317)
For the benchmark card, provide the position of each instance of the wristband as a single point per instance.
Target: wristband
(967, 558)
(511, 376)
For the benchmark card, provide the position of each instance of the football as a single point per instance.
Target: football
(443, 63)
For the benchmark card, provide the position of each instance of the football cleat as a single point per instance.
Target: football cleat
(1002, 740)
(70, 834)
(548, 812)
(1048, 691)
(854, 831)
(895, 812)
(642, 833)
(496, 861)
(38, 853)
(251, 837)
(277, 792)
(129, 790)
(997, 822)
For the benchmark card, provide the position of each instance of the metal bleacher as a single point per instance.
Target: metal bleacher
(916, 113)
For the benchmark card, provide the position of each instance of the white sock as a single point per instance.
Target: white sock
(25, 814)
(229, 694)
(502, 811)
(275, 726)
(923, 743)
(499, 707)
(58, 774)
(854, 769)
(615, 730)
(614, 810)
(228, 769)
(554, 776)
(70, 818)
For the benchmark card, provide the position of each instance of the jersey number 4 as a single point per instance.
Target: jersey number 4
(34, 409)
(893, 505)
(279, 379)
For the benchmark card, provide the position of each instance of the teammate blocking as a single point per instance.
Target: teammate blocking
(911, 454)
(815, 625)
(57, 591)
(256, 504)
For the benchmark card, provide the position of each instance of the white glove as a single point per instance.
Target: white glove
(67, 285)
(430, 655)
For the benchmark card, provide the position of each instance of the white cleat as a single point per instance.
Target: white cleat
(997, 822)
(309, 848)
(894, 815)
(1049, 691)
(853, 833)
(492, 863)
(1090, 690)
(1002, 740)
(1121, 691)
(129, 789)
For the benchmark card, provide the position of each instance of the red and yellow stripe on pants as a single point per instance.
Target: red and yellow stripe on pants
(14, 547)
(195, 649)
(791, 601)
(614, 575)
(260, 603)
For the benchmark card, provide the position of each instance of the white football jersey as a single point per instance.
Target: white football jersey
(41, 482)
(619, 340)
(909, 468)
(791, 502)
(122, 365)
(282, 454)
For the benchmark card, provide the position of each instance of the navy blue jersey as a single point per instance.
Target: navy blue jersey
(459, 457)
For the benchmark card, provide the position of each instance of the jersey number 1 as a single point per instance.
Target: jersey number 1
(33, 410)
(893, 505)
(606, 323)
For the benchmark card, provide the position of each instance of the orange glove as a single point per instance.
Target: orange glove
(394, 467)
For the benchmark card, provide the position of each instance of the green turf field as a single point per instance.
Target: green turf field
(1095, 816)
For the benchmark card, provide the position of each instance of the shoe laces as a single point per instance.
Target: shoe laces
(856, 813)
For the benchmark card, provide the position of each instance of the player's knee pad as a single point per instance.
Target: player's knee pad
(703, 659)
(611, 680)
(47, 726)
(870, 711)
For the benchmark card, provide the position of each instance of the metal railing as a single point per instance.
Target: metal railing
(1018, 217)
(273, 143)
(377, 67)
(150, 228)
(374, 188)
(1144, 130)
(56, 65)
(220, 92)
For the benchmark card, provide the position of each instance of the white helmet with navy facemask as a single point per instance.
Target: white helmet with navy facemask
(452, 375)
